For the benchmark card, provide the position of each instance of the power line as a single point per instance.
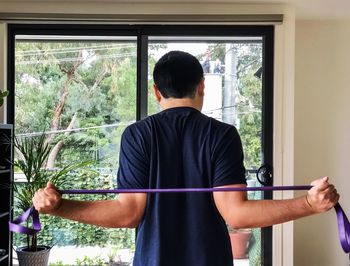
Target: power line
(71, 49)
(117, 124)
(73, 59)
(33, 134)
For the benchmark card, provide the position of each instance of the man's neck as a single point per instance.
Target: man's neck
(184, 102)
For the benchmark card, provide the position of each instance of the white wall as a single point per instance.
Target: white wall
(322, 131)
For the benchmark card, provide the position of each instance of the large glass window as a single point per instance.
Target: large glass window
(81, 91)
(84, 89)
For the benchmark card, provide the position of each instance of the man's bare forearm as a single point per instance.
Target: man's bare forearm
(262, 213)
(106, 213)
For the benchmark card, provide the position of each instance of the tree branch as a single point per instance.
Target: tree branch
(54, 152)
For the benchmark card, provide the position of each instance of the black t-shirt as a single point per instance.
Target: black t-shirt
(181, 148)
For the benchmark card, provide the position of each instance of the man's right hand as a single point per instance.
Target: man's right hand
(322, 196)
(47, 200)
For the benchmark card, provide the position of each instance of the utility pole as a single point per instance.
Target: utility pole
(229, 89)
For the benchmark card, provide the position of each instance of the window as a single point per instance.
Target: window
(83, 89)
(84, 84)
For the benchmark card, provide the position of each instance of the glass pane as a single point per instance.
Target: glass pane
(233, 94)
(81, 90)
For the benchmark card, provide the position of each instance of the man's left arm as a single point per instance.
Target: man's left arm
(239, 212)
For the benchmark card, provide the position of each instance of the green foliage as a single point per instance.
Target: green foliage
(3, 94)
(32, 153)
(96, 261)
(250, 119)
(102, 76)
(153, 106)
(62, 232)
(59, 263)
(86, 261)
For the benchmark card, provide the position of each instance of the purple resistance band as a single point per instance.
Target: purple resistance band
(343, 222)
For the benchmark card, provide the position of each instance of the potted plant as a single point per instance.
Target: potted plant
(3, 94)
(240, 239)
(31, 155)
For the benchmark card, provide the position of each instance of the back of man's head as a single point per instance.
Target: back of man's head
(177, 75)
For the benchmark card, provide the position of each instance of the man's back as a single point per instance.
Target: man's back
(181, 148)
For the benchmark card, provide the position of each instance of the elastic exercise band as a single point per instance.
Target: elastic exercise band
(343, 222)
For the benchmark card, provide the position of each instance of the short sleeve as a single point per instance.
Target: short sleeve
(133, 163)
(228, 160)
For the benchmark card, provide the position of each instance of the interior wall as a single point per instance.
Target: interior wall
(322, 132)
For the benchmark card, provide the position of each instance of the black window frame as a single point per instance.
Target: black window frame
(142, 32)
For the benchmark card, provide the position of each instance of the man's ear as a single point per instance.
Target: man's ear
(201, 88)
(156, 93)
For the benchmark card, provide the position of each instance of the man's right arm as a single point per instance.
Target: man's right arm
(125, 211)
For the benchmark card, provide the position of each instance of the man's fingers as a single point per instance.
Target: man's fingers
(320, 184)
(330, 189)
(50, 185)
(40, 194)
(335, 195)
(51, 191)
(320, 180)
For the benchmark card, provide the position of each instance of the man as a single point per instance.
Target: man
(182, 148)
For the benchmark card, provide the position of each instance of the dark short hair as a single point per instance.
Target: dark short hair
(177, 74)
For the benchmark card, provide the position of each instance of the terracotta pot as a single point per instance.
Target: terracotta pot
(240, 244)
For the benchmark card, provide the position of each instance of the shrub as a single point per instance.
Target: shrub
(62, 232)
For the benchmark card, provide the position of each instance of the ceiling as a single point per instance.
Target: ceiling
(304, 9)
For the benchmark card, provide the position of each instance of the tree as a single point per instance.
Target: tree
(101, 75)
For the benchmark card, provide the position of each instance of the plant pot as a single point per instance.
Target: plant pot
(33, 258)
(240, 243)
